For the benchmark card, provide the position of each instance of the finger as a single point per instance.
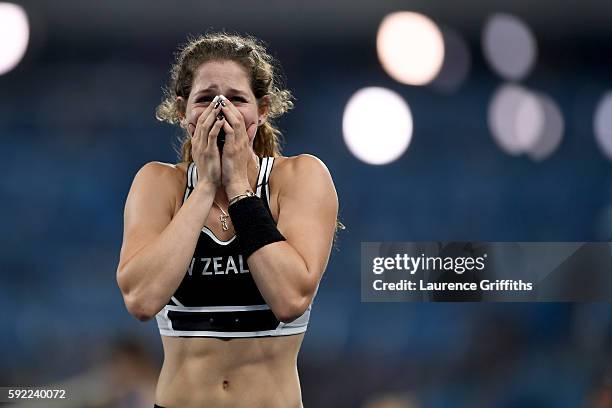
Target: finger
(232, 114)
(230, 133)
(214, 131)
(203, 115)
(229, 136)
(206, 119)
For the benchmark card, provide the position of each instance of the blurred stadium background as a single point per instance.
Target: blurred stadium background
(481, 121)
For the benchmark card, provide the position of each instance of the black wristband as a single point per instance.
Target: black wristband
(253, 224)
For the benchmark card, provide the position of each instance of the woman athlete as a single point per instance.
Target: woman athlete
(227, 248)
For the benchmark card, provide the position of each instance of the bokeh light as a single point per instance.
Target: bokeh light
(14, 36)
(377, 125)
(529, 120)
(509, 46)
(602, 124)
(456, 64)
(502, 115)
(552, 130)
(410, 47)
(523, 121)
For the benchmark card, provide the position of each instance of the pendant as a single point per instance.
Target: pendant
(223, 219)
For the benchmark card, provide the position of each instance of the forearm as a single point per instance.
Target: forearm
(283, 279)
(278, 270)
(277, 252)
(154, 273)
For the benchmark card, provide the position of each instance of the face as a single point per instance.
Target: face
(231, 80)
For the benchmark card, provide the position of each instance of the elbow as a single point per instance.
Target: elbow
(134, 304)
(139, 309)
(291, 310)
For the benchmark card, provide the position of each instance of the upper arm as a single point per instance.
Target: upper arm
(149, 207)
(308, 209)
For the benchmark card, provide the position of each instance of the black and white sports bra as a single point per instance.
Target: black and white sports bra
(218, 296)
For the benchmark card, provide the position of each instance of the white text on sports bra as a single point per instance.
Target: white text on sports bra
(219, 266)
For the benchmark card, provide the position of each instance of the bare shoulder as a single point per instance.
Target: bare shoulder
(165, 180)
(162, 173)
(300, 167)
(161, 169)
(303, 171)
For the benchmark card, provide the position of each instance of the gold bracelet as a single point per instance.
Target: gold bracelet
(239, 197)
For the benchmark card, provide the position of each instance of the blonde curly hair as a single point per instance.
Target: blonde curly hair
(247, 51)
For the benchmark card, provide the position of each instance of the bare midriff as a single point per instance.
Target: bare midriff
(202, 372)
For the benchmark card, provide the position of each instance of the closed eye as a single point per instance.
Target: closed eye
(210, 98)
(204, 99)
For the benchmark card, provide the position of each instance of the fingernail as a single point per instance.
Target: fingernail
(220, 116)
(222, 100)
(215, 99)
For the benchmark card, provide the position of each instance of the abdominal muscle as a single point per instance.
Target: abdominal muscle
(201, 372)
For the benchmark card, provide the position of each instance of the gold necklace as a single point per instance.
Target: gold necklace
(223, 217)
